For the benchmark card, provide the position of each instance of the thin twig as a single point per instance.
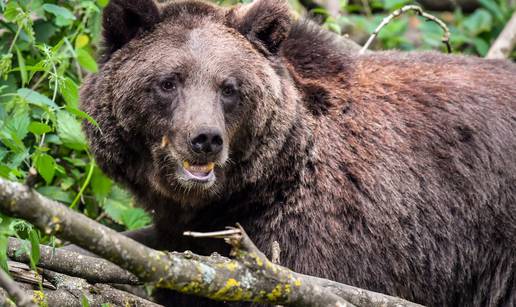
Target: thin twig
(504, 44)
(215, 234)
(275, 256)
(276, 253)
(399, 12)
(14, 291)
(32, 177)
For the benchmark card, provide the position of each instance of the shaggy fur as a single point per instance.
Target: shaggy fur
(394, 172)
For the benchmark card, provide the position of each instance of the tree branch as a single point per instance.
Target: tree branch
(14, 291)
(504, 44)
(55, 289)
(399, 12)
(248, 277)
(94, 270)
(71, 290)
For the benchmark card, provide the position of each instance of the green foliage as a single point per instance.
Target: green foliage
(472, 34)
(46, 48)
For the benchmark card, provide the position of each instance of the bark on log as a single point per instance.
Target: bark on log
(248, 277)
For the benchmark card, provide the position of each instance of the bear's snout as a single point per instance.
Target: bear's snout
(207, 141)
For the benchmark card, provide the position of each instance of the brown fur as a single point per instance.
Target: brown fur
(394, 172)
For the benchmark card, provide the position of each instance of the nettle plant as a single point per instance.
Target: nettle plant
(46, 48)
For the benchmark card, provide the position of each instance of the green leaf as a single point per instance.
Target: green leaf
(11, 11)
(395, 4)
(44, 30)
(18, 124)
(118, 204)
(3, 252)
(56, 193)
(481, 46)
(36, 98)
(67, 183)
(100, 184)
(21, 64)
(63, 16)
(494, 8)
(5, 64)
(5, 171)
(76, 162)
(102, 3)
(121, 195)
(15, 129)
(135, 218)
(320, 11)
(83, 115)
(38, 128)
(17, 158)
(114, 209)
(70, 92)
(82, 41)
(84, 301)
(46, 167)
(69, 131)
(86, 60)
(480, 21)
(34, 252)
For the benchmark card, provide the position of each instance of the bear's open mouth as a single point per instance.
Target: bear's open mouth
(203, 173)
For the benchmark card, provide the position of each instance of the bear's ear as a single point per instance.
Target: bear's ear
(266, 23)
(123, 19)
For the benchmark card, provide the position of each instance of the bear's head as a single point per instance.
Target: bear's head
(192, 99)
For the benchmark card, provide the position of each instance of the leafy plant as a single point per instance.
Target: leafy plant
(46, 48)
(471, 34)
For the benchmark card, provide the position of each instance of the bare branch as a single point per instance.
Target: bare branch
(399, 12)
(92, 269)
(5, 300)
(504, 44)
(63, 290)
(70, 291)
(215, 234)
(275, 253)
(22, 273)
(14, 291)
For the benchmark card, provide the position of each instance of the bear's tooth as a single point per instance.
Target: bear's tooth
(210, 166)
(186, 164)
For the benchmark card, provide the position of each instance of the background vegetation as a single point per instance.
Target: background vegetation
(48, 46)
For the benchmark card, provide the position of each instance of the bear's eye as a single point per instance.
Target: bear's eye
(228, 90)
(169, 84)
(230, 94)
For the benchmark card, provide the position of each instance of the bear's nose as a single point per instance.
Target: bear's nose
(207, 140)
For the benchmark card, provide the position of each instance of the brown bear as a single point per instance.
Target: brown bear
(390, 171)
